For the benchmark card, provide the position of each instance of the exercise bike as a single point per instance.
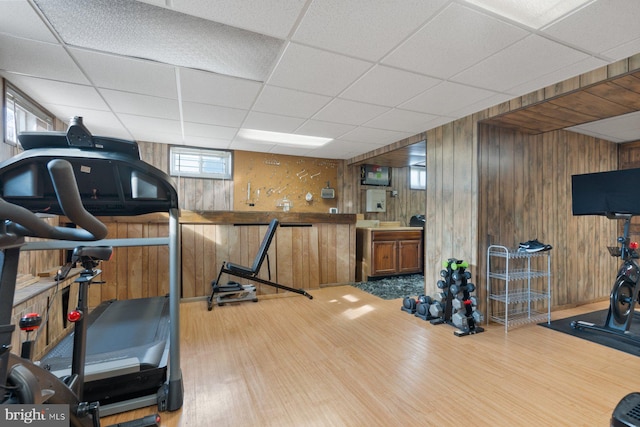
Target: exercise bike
(23, 381)
(626, 287)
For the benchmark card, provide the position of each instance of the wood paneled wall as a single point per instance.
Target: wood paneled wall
(133, 272)
(629, 158)
(525, 193)
(34, 263)
(218, 195)
(299, 257)
(453, 193)
(306, 256)
(451, 207)
(193, 193)
(629, 155)
(401, 208)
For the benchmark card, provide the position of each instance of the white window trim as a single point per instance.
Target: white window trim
(417, 185)
(197, 169)
(43, 118)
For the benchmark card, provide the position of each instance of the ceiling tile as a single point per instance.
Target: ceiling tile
(316, 71)
(388, 86)
(212, 114)
(141, 105)
(288, 102)
(375, 136)
(209, 131)
(261, 16)
(622, 128)
(240, 143)
(453, 41)
(521, 62)
(349, 112)
(345, 26)
(587, 64)
(401, 120)
(38, 59)
(342, 149)
(214, 89)
(271, 122)
(600, 26)
(197, 141)
(439, 121)
(19, 19)
(153, 129)
(162, 35)
(474, 107)
(323, 129)
(128, 74)
(623, 50)
(446, 98)
(59, 93)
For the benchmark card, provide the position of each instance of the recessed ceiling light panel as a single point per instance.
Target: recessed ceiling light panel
(282, 138)
(534, 14)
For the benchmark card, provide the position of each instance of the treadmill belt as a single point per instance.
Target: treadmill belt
(120, 330)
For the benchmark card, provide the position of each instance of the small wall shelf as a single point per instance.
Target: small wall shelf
(515, 295)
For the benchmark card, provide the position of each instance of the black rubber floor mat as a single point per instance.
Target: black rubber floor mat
(603, 338)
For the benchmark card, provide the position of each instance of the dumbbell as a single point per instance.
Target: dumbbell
(422, 309)
(409, 305)
(436, 309)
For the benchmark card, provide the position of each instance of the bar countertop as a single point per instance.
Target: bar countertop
(243, 217)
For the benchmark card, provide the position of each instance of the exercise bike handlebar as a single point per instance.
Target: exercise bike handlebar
(23, 222)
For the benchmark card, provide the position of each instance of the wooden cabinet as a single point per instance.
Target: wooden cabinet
(384, 258)
(388, 252)
(410, 256)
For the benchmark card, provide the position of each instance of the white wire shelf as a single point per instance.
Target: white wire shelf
(519, 317)
(518, 274)
(504, 252)
(515, 296)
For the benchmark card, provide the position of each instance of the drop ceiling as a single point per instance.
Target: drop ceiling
(366, 73)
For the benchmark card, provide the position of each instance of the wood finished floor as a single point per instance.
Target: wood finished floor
(347, 358)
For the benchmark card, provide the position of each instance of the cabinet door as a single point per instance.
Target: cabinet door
(409, 256)
(384, 258)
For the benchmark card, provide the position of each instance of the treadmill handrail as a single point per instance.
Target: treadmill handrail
(22, 222)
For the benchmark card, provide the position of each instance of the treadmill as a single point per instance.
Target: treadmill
(133, 348)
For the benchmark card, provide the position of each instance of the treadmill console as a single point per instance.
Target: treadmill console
(111, 177)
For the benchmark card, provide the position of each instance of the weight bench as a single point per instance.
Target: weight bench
(235, 292)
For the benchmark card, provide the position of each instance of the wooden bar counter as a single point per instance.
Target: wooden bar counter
(309, 250)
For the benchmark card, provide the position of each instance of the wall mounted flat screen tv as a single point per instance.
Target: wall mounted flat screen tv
(375, 175)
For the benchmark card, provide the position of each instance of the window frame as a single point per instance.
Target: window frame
(201, 152)
(418, 169)
(27, 104)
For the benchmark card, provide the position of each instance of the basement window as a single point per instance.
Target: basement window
(418, 178)
(22, 114)
(200, 163)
